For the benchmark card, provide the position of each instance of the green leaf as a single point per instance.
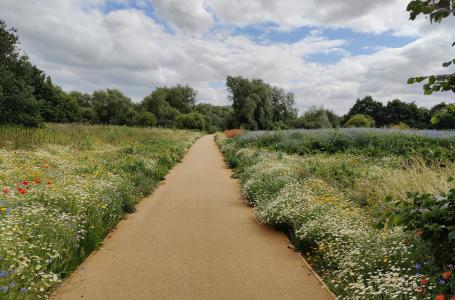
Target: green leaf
(411, 80)
(450, 179)
(447, 64)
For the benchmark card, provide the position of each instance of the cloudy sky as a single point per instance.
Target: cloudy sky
(328, 52)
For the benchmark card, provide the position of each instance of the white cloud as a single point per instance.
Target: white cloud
(84, 49)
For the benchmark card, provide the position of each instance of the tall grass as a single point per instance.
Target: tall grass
(63, 187)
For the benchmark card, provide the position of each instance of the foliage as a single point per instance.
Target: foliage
(257, 105)
(145, 119)
(192, 120)
(431, 217)
(218, 118)
(112, 107)
(368, 106)
(356, 258)
(438, 10)
(444, 117)
(18, 104)
(431, 145)
(360, 120)
(314, 118)
(63, 187)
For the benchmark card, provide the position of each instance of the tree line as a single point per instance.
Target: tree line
(28, 97)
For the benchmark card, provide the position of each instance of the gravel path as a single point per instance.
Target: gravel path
(194, 238)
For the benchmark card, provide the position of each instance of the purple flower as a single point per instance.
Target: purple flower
(23, 290)
(418, 266)
(4, 288)
(442, 282)
(3, 273)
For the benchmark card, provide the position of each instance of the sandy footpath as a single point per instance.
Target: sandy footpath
(194, 238)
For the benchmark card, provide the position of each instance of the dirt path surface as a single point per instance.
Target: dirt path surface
(194, 238)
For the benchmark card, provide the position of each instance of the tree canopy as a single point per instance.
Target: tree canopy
(437, 10)
(258, 105)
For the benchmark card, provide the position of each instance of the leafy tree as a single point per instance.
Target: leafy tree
(257, 105)
(360, 120)
(368, 106)
(182, 98)
(145, 119)
(283, 107)
(193, 120)
(437, 10)
(157, 104)
(314, 118)
(334, 119)
(397, 111)
(218, 118)
(18, 104)
(444, 118)
(112, 107)
(84, 101)
(57, 106)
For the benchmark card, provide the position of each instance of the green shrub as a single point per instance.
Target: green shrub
(360, 120)
(431, 217)
(192, 120)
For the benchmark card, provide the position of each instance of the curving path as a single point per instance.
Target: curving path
(194, 238)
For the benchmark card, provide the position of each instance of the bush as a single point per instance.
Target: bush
(145, 119)
(431, 217)
(314, 118)
(360, 120)
(192, 120)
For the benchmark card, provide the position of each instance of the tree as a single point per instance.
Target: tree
(258, 105)
(157, 104)
(283, 107)
(314, 118)
(397, 111)
(218, 118)
(18, 104)
(368, 106)
(112, 107)
(360, 120)
(182, 98)
(444, 118)
(438, 10)
(57, 106)
(191, 120)
(145, 119)
(334, 119)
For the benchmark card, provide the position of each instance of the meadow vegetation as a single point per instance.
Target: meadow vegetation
(63, 187)
(372, 210)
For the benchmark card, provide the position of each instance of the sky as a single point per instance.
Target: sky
(327, 52)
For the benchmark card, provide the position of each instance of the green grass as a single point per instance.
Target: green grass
(63, 187)
(331, 201)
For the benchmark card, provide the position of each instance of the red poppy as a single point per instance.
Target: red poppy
(25, 182)
(45, 166)
(37, 180)
(22, 191)
(440, 297)
(447, 275)
(5, 190)
(453, 298)
(424, 281)
(49, 182)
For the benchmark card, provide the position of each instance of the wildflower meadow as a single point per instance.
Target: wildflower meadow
(376, 222)
(63, 187)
